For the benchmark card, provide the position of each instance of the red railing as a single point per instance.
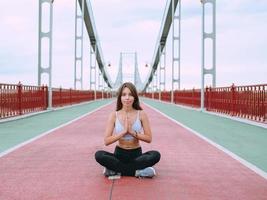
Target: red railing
(242, 101)
(63, 97)
(187, 97)
(165, 96)
(98, 95)
(156, 95)
(21, 99)
(148, 95)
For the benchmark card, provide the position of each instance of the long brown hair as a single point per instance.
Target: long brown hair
(131, 87)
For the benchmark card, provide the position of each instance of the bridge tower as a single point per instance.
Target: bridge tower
(44, 41)
(78, 48)
(205, 37)
(176, 45)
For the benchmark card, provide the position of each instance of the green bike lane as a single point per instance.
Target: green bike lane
(249, 142)
(15, 132)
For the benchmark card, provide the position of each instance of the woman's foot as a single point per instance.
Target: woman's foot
(148, 172)
(109, 172)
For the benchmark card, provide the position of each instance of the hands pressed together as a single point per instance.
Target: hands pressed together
(128, 127)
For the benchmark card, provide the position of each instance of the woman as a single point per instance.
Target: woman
(131, 126)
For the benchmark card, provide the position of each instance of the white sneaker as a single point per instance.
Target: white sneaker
(109, 172)
(148, 172)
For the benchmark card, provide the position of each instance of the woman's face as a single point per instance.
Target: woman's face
(127, 98)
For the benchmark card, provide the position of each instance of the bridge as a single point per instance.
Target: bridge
(212, 139)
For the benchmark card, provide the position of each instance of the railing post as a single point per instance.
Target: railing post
(1, 101)
(60, 96)
(192, 98)
(211, 95)
(264, 102)
(46, 97)
(71, 98)
(232, 99)
(206, 98)
(19, 98)
(43, 96)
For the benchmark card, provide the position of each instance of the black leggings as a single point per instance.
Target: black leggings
(127, 161)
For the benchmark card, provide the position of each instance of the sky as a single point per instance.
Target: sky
(133, 26)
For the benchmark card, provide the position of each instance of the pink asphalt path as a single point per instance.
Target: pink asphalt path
(61, 165)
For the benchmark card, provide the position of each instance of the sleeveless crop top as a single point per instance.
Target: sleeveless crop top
(137, 126)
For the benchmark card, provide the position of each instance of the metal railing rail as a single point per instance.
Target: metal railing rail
(248, 102)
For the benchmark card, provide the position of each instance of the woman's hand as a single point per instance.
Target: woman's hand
(125, 125)
(130, 130)
(128, 126)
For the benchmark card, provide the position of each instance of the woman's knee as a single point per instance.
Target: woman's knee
(99, 155)
(156, 155)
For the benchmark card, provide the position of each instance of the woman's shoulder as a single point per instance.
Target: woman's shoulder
(112, 115)
(142, 114)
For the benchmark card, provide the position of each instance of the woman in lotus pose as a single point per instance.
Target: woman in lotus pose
(131, 126)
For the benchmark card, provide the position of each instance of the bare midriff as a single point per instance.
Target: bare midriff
(129, 144)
